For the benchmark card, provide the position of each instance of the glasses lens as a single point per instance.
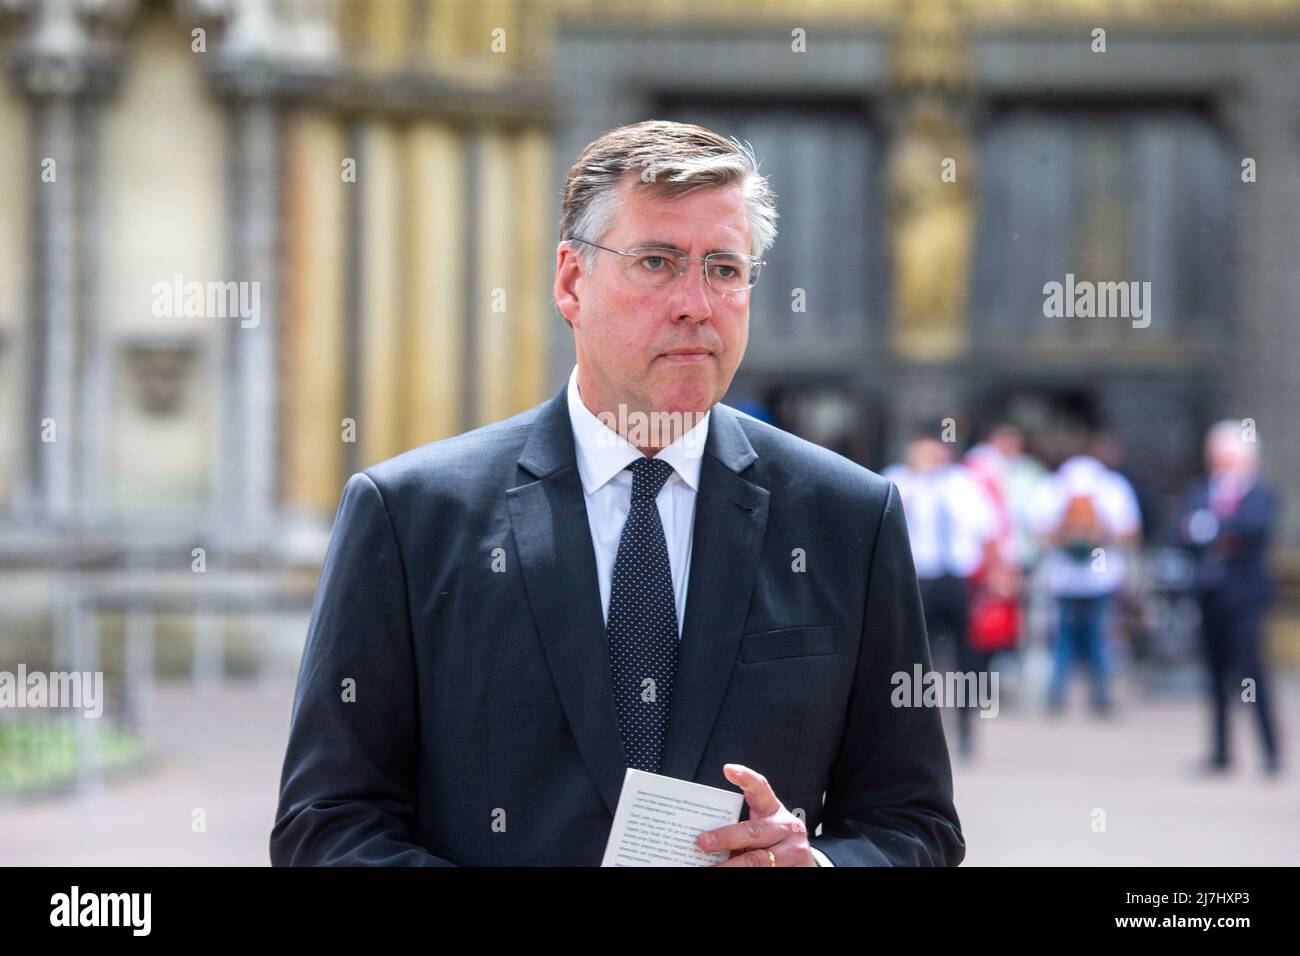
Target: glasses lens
(656, 267)
(731, 273)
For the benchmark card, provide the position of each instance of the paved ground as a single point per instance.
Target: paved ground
(1029, 798)
(219, 753)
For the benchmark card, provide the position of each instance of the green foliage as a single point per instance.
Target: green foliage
(39, 753)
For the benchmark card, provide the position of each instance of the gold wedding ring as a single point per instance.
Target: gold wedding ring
(773, 856)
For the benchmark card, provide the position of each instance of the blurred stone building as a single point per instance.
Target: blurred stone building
(384, 177)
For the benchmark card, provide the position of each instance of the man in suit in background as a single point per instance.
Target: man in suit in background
(630, 574)
(1227, 521)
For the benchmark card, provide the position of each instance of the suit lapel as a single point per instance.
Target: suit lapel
(548, 515)
(730, 521)
(553, 538)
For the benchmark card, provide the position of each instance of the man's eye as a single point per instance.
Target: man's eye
(653, 262)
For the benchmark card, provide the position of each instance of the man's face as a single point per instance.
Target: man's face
(1224, 454)
(1008, 440)
(623, 332)
(926, 454)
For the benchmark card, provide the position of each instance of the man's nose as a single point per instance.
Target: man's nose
(693, 298)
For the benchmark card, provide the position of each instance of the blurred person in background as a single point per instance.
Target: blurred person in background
(951, 524)
(1122, 623)
(1008, 477)
(1087, 516)
(1004, 468)
(1227, 521)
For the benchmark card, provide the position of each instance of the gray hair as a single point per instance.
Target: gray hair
(670, 159)
(1230, 429)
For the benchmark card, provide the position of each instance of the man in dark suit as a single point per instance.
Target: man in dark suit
(630, 574)
(1228, 519)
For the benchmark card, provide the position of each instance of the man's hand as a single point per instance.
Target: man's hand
(770, 827)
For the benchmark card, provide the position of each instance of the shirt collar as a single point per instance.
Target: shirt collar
(603, 452)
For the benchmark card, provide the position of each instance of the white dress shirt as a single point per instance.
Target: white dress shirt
(971, 518)
(603, 457)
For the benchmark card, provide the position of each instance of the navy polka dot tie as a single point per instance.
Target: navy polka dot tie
(642, 624)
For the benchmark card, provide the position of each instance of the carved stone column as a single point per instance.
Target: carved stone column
(265, 49)
(66, 63)
(931, 177)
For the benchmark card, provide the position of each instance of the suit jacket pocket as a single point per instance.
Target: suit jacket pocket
(786, 642)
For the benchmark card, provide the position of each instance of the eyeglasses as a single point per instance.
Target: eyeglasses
(654, 268)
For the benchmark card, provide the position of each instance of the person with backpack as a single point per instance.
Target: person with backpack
(1087, 516)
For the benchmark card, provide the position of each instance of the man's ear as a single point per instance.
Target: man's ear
(568, 272)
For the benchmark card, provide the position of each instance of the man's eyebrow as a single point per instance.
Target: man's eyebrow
(662, 244)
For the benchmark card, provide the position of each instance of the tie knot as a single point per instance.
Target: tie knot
(648, 476)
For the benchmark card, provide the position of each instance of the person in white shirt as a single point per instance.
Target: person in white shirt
(950, 523)
(1087, 516)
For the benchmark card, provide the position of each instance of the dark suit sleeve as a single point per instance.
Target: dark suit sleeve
(1192, 499)
(1252, 522)
(347, 792)
(889, 796)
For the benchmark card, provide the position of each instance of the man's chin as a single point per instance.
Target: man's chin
(687, 406)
